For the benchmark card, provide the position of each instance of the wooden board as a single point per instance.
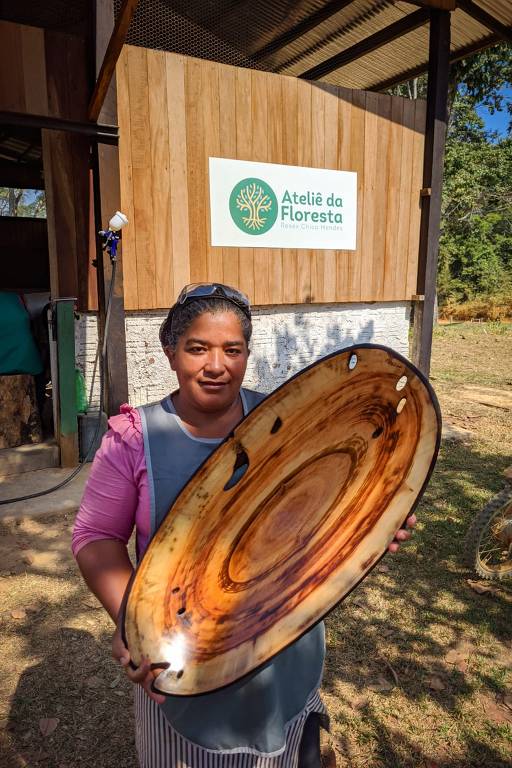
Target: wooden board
(245, 563)
(44, 72)
(200, 109)
(20, 423)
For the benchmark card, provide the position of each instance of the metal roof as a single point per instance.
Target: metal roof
(296, 38)
(292, 37)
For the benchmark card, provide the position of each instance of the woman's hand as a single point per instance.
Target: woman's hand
(143, 675)
(402, 534)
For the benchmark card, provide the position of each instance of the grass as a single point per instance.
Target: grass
(497, 308)
(473, 353)
(448, 646)
(418, 664)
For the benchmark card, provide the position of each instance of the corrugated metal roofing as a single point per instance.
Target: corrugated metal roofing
(240, 32)
(250, 34)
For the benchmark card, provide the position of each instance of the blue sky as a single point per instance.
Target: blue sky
(500, 120)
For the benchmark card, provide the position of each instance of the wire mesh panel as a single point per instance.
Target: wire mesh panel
(165, 26)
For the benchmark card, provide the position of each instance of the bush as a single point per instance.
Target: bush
(480, 308)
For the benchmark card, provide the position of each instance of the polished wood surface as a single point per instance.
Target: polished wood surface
(337, 458)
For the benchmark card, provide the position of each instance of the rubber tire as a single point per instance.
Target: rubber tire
(477, 530)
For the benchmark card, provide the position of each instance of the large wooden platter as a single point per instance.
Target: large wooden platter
(283, 519)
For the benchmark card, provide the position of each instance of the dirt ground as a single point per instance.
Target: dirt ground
(419, 664)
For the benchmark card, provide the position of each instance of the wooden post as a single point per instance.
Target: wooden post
(66, 164)
(108, 65)
(108, 201)
(435, 135)
(68, 425)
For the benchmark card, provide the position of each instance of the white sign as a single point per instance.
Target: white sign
(265, 205)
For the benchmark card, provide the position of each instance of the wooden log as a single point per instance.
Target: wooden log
(284, 518)
(19, 418)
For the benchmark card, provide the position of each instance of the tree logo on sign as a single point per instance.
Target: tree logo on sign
(253, 206)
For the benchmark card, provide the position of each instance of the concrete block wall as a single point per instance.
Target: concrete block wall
(285, 340)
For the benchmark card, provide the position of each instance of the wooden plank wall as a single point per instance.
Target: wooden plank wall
(175, 112)
(47, 76)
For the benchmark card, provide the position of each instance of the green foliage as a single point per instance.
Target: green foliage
(475, 255)
(483, 76)
(22, 202)
(476, 241)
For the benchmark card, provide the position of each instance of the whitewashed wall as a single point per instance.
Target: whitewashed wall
(285, 339)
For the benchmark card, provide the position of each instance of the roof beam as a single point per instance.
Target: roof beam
(366, 46)
(112, 54)
(300, 29)
(105, 134)
(474, 10)
(462, 53)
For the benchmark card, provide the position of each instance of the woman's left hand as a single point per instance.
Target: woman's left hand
(402, 534)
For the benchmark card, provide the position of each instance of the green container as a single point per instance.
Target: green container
(82, 404)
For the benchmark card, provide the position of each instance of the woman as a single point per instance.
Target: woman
(271, 716)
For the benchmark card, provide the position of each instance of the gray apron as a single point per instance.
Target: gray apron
(253, 712)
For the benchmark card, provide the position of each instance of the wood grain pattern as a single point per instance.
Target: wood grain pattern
(211, 148)
(243, 87)
(196, 171)
(260, 153)
(161, 176)
(176, 111)
(384, 151)
(317, 161)
(370, 258)
(331, 133)
(131, 296)
(337, 458)
(211, 109)
(406, 195)
(142, 180)
(290, 118)
(34, 70)
(304, 158)
(12, 88)
(354, 289)
(227, 110)
(348, 262)
(392, 266)
(275, 154)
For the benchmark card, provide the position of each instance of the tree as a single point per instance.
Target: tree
(475, 255)
(22, 202)
(482, 77)
(476, 223)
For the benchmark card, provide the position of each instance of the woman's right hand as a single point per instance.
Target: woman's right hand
(143, 675)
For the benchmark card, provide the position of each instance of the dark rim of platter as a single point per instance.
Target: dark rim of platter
(345, 351)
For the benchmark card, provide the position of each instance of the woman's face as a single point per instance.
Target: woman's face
(210, 361)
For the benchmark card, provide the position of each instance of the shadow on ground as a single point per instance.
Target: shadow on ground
(76, 689)
(416, 670)
(442, 650)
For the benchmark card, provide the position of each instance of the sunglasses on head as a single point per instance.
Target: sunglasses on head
(214, 290)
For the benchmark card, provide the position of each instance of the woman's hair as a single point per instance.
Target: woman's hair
(181, 317)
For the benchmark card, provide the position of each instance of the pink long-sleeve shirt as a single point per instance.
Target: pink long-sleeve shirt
(116, 496)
